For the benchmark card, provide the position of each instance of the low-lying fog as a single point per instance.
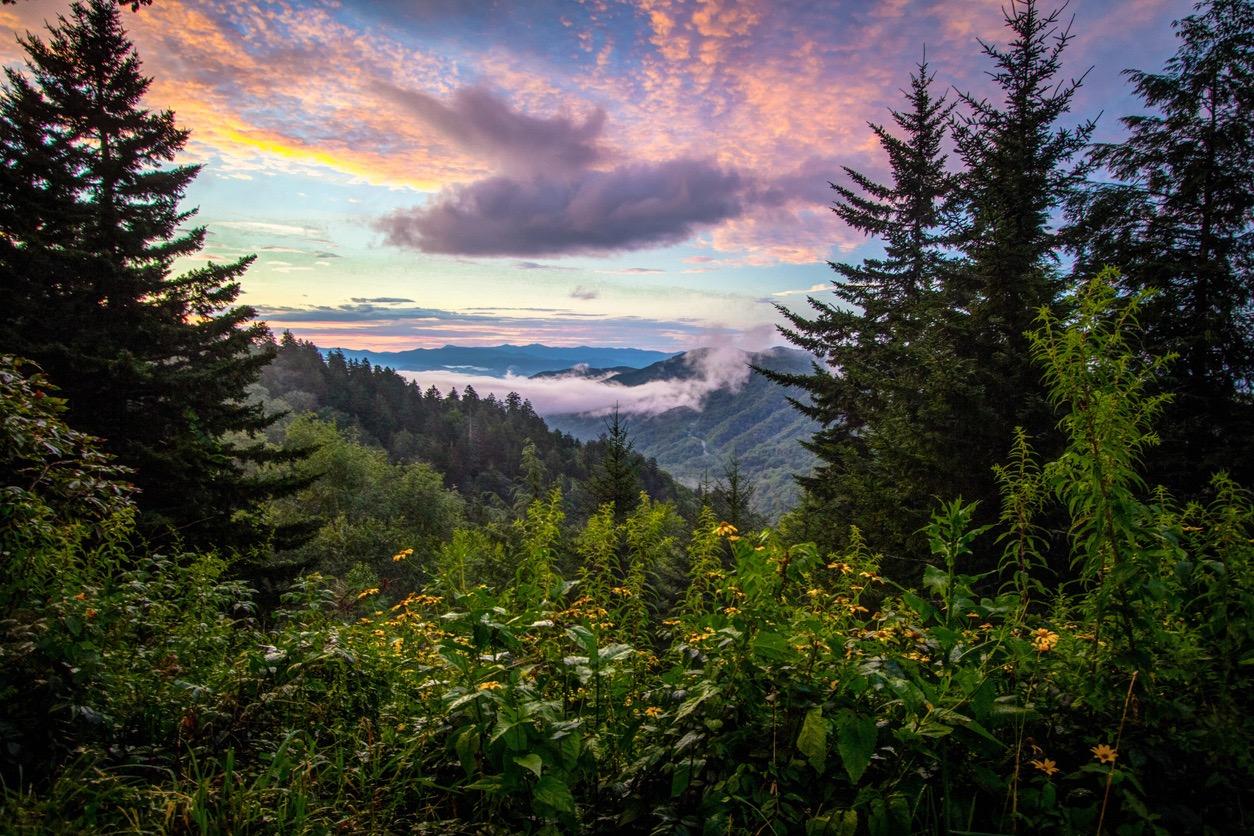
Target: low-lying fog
(717, 368)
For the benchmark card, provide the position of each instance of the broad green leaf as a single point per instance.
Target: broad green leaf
(856, 742)
(515, 735)
(812, 741)
(467, 744)
(552, 792)
(935, 579)
(772, 647)
(531, 762)
(682, 776)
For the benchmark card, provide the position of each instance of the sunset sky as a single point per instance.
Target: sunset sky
(649, 173)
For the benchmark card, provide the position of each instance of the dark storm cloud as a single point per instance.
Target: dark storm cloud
(629, 207)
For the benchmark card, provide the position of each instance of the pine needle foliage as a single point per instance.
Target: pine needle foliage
(154, 363)
(1174, 211)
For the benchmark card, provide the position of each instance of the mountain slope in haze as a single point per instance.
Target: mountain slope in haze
(500, 360)
(475, 443)
(752, 420)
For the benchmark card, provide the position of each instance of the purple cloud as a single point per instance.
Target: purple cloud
(630, 207)
(482, 123)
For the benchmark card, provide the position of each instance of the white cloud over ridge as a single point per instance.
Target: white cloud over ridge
(721, 367)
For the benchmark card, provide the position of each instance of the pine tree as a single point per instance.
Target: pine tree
(1177, 218)
(733, 497)
(154, 363)
(616, 479)
(877, 340)
(1018, 171)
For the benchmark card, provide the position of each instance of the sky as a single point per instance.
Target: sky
(645, 173)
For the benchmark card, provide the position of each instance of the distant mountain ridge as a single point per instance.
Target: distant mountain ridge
(754, 422)
(505, 359)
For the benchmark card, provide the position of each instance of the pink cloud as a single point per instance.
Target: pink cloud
(774, 92)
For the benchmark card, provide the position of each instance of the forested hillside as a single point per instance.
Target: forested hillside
(750, 424)
(245, 588)
(476, 444)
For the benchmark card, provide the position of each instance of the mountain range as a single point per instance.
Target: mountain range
(742, 415)
(502, 360)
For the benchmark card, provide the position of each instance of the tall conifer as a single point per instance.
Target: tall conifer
(876, 341)
(616, 478)
(1019, 168)
(90, 228)
(1177, 218)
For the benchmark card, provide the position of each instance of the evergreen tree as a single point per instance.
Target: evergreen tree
(616, 479)
(733, 498)
(1177, 218)
(876, 339)
(155, 364)
(1018, 171)
(927, 368)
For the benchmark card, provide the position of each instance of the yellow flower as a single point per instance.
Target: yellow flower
(1046, 765)
(1044, 640)
(621, 591)
(843, 568)
(401, 555)
(1104, 753)
(731, 610)
(723, 529)
(653, 711)
(490, 685)
(82, 596)
(365, 593)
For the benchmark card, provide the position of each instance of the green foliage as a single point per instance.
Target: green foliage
(1024, 494)
(370, 510)
(1175, 213)
(927, 366)
(615, 481)
(541, 536)
(741, 682)
(652, 565)
(154, 363)
(498, 454)
(704, 564)
(793, 691)
(879, 341)
(598, 552)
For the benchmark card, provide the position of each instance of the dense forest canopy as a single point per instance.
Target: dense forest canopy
(246, 587)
